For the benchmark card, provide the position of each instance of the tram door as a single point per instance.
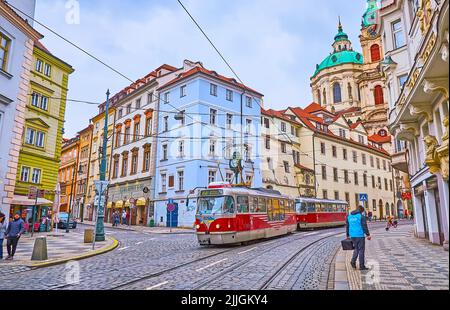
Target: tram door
(172, 220)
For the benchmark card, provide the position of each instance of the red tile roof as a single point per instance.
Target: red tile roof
(201, 70)
(379, 139)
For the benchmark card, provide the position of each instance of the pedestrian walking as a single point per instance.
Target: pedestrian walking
(356, 230)
(2, 233)
(124, 218)
(370, 215)
(13, 232)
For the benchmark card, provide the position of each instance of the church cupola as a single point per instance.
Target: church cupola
(341, 40)
(370, 16)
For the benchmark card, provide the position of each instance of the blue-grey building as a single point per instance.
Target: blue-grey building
(204, 119)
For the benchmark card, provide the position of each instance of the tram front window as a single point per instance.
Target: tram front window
(216, 205)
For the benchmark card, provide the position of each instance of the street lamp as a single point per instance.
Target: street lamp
(80, 171)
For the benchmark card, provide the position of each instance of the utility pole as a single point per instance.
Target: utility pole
(99, 227)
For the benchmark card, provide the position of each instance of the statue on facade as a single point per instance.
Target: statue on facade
(432, 158)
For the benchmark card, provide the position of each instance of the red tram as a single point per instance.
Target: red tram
(314, 213)
(227, 215)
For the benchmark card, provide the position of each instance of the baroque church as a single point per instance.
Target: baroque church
(350, 83)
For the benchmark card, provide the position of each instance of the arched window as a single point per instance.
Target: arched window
(378, 94)
(337, 93)
(324, 97)
(318, 97)
(375, 53)
(350, 91)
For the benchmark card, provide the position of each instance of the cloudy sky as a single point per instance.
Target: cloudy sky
(274, 45)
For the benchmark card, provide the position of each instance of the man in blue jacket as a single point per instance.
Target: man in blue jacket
(357, 230)
(13, 232)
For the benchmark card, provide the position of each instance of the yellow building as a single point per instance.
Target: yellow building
(42, 135)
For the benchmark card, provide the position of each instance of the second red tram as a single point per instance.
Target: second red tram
(230, 215)
(315, 213)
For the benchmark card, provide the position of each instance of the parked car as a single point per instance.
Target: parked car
(63, 216)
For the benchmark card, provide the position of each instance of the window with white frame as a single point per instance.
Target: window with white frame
(213, 117)
(229, 95)
(36, 176)
(40, 137)
(39, 65)
(5, 44)
(248, 126)
(212, 147)
(163, 183)
(164, 152)
(211, 176)
(398, 34)
(283, 126)
(229, 177)
(248, 101)
(138, 104)
(166, 124)
(25, 174)
(229, 121)
(180, 180)
(167, 97)
(213, 89)
(47, 70)
(183, 91)
(181, 148)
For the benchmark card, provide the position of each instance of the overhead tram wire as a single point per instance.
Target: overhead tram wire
(71, 43)
(129, 79)
(237, 76)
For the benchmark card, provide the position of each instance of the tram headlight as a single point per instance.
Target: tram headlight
(218, 226)
(197, 226)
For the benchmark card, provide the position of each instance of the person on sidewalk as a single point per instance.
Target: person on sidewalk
(124, 218)
(356, 227)
(2, 233)
(13, 232)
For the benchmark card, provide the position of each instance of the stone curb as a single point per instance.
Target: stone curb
(146, 232)
(74, 258)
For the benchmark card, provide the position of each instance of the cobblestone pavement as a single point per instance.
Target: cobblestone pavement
(154, 230)
(175, 261)
(59, 246)
(398, 261)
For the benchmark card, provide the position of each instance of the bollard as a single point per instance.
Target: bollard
(40, 249)
(88, 235)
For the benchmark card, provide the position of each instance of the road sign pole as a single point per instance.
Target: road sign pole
(170, 225)
(33, 211)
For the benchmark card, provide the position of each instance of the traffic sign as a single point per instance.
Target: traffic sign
(170, 201)
(101, 186)
(363, 197)
(145, 190)
(170, 207)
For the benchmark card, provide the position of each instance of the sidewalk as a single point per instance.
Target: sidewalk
(61, 247)
(145, 229)
(397, 261)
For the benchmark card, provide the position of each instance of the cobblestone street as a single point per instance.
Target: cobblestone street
(146, 260)
(398, 261)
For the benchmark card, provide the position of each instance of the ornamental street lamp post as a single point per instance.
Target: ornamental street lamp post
(100, 228)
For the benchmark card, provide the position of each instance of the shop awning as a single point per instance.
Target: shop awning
(118, 204)
(127, 203)
(109, 205)
(24, 201)
(141, 201)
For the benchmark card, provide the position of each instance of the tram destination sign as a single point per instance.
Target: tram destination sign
(211, 192)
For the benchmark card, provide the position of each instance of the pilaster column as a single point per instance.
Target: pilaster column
(418, 217)
(432, 218)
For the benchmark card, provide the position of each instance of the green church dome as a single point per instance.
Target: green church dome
(339, 58)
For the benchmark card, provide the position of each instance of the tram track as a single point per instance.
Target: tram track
(245, 262)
